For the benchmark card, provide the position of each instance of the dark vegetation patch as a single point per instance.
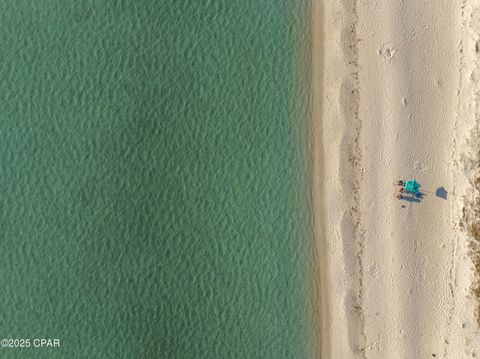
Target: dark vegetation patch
(471, 221)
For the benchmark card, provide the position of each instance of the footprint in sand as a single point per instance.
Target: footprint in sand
(475, 20)
(386, 51)
(420, 167)
(475, 76)
(373, 269)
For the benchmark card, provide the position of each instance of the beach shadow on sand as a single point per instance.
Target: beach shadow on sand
(441, 192)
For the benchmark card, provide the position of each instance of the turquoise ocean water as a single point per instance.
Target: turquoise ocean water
(154, 178)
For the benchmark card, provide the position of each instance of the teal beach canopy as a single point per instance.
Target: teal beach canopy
(412, 186)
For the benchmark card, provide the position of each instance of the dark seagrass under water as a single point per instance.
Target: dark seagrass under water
(153, 179)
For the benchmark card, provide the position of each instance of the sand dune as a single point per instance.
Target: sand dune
(397, 101)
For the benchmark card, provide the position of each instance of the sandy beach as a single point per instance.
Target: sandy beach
(396, 96)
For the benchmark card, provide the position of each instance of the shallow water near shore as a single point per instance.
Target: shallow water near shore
(154, 179)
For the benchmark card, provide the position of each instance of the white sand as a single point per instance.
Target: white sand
(398, 98)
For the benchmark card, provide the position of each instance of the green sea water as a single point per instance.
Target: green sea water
(154, 178)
